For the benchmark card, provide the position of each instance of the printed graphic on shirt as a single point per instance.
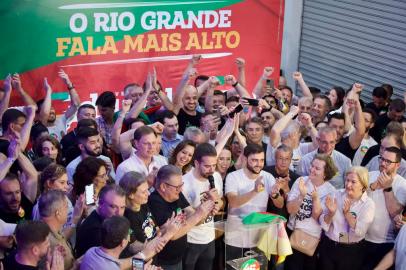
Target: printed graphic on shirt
(306, 207)
(148, 227)
(203, 198)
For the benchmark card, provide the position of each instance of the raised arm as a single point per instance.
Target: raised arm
(241, 71)
(46, 105)
(225, 133)
(26, 128)
(297, 76)
(357, 135)
(180, 90)
(213, 82)
(161, 94)
(16, 83)
(7, 94)
(29, 177)
(280, 125)
(118, 125)
(137, 108)
(230, 80)
(74, 97)
(259, 89)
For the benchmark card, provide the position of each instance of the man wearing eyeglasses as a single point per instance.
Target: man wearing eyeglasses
(388, 190)
(327, 139)
(197, 189)
(168, 200)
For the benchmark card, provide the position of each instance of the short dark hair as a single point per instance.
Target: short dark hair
(106, 99)
(388, 88)
(86, 106)
(166, 114)
(202, 78)
(219, 93)
(84, 133)
(114, 230)
(204, 150)
(336, 115)
(256, 120)
(233, 99)
(36, 130)
(372, 113)
(380, 92)
(397, 105)
(326, 101)
(166, 172)
(111, 187)
(396, 151)
(284, 148)
(287, 88)
(10, 177)
(143, 131)
(252, 149)
(86, 123)
(41, 163)
(314, 90)
(9, 116)
(128, 122)
(30, 232)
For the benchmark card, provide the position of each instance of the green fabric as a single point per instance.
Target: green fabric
(256, 217)
(144, 117)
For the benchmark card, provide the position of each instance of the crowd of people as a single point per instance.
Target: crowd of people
(146, 185)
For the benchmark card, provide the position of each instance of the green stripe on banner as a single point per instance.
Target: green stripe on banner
(221, 79)
(60, 96)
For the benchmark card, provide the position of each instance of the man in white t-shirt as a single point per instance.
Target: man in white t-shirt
(367, 141)
(388, 191)
(247, 191)
(200, 184)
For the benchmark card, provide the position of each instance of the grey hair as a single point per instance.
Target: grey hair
(284, 148)
(190, 132)
(291, 128)
(50, 202)
(326, 130)
(165, 173)
(308, 100)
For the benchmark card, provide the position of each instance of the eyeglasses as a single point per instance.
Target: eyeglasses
(178, 188)
(105, 175)
(387, 161)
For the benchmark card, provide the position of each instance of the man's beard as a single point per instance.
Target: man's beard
(93, 154)
(251, 169)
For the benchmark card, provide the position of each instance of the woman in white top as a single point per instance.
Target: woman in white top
(346, 219)
(305, 205)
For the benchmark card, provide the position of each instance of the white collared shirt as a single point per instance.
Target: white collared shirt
(135, 164)
(363, 210)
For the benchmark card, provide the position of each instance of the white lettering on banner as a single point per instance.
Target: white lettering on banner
(125, 21)
(83, 22)
(151, 20)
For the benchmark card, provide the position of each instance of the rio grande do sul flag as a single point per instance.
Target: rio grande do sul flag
(104, 45)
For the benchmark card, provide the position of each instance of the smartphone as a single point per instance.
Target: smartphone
(269, 83)
(252, 101)
(89, 194)
(137, 264)
(237, 109)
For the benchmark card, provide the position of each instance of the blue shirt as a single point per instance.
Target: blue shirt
(168, 145)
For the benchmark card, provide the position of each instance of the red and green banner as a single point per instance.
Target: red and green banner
(104, 45)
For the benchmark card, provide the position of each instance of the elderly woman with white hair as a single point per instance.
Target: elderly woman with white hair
(345, 220)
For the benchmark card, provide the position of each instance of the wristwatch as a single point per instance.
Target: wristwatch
(389, 189)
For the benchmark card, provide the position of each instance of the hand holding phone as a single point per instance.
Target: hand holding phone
(237, 109)
(89, 194)
(252, 101)
(138, 264)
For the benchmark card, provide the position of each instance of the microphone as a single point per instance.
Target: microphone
(211, 181)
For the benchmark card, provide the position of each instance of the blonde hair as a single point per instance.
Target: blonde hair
(362, 174)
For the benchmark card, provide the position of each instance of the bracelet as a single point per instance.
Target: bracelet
(234, 84)
(71, 87)
(141, 255)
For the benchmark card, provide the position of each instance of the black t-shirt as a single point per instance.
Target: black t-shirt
(162, 211)
(24, 213)
(344, 147)
(187, 120)
(143, 224)
(271, 207)
(4, 144)
(373, 151)
(10, 263)
(377, 110)
(89, 234)
(379, 129)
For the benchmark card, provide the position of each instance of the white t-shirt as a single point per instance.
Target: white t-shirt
(362, 150)
(58, 130)
(382, 229)
(237, 234)
(303, 219)
(193, 190)
(400, 249)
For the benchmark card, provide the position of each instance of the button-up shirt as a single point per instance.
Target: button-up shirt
(106, 130)
(169, 144)
(342, 163)
(135, 164)
(363, 210)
